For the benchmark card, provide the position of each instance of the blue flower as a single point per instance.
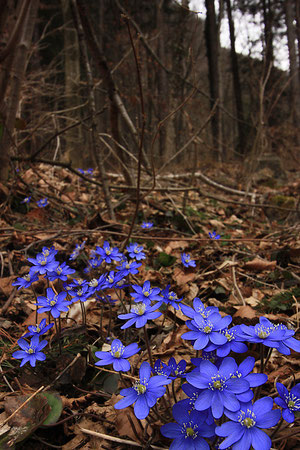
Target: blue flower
(189, 431)
(177, 370)
(207, 331)
(147, 225)
(187, 261)
(60, 273)
(244, 427)
(96, 284)
(30, 352)
(140, 314)
(117, 356)
(160, 368)
(214, 235)
(26, 280)
(53, 303)
(77, 251)
(207, 356)
(145, 294)
(254, 379)
(136, 251)
(42, 202)
(109, 254)
(270, 335)
(81, 293)
(219, 388)
(114, 280)
(288, 401)
(144, 393)
(129, 267)
(26, 199)
(198, 308)
(233, 343)
(38, 329)
(170, 297)
(43, 264)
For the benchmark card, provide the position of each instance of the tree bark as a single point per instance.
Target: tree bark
(241, 146)
(10, 103)
(212, 49)
(73, 138)
(97, 154)
(294, 85)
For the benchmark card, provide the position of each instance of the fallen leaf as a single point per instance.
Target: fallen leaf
(246, 312)
(259, 265)
(5, 285)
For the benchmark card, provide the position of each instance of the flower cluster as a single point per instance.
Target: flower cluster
(218, 410)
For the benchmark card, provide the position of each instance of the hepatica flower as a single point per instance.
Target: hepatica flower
(233, 343)
(219, 388)
(145, 294)
(207, 331)
(147, 225)
(38, 329)
(60, 273)
(129, 267)
(26, 281)
(30, 351)
(288, 401)
(189, 431)
(144, 393)
(140, 314)
(136, 251)
(75, 253)
(42, 202)
(170, 297)
(187, 261)
(109, 254)
(43, 264)
(244, 427)
(198, 308)
(117, 356)
(270, 335)
(26, 199)
(53, 303)
(214, 235)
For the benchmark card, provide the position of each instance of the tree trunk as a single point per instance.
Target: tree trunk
(241, 146)
(212, 49)
(162, 85)
(95, 148)
(294, 85)
(10, 104)
(73, 137)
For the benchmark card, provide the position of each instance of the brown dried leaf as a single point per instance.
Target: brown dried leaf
(246, 312)
(259, 265)
(6, 286)
(182, 277)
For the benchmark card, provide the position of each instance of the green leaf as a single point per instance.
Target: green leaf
(56, 407)
(165, 260)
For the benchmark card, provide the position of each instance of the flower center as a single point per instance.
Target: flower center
(127, 266)
(190, 431)
(140, 388)
(30, 351)
(117, 354)
(263, 332)
(26, 277)
(207, 329)
(247, 418)
(229, 336)
(53, 302)
(37, 329)
(146, 293)
(108, 252)
(59, 270)
(217, 383)
(140, 309)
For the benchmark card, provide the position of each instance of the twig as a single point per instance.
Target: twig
(63, 371)
(235, 283)
(119, 440)
(8, 302)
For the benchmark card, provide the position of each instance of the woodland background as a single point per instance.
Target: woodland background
(180, 132)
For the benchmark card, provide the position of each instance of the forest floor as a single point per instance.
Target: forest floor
(251, 270)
